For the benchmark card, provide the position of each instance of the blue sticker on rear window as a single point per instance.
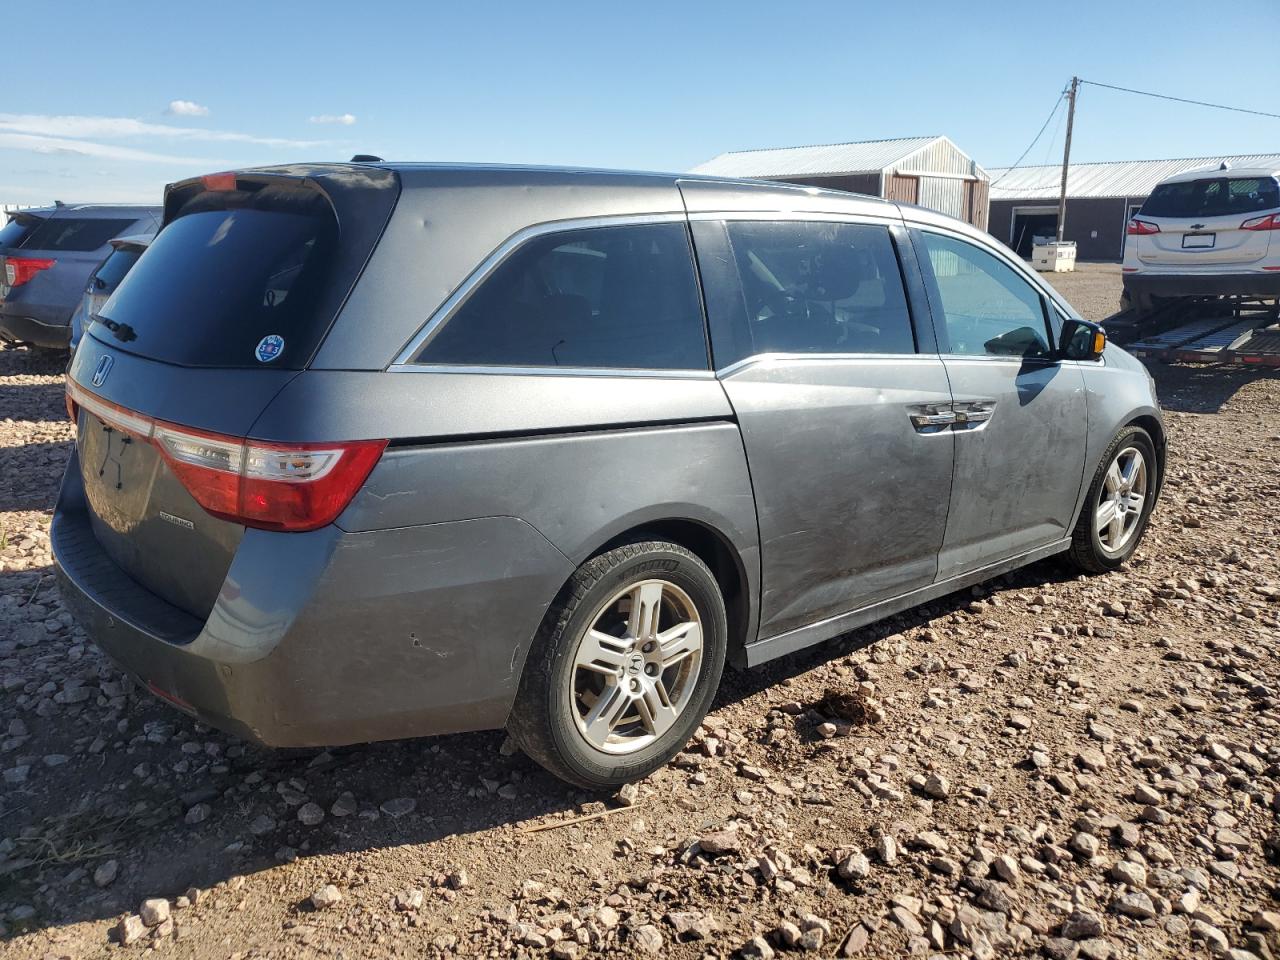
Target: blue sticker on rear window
(269, 347)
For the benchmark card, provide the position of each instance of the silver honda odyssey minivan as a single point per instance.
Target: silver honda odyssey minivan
(369, 451)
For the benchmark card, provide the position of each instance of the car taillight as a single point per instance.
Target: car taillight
(273, 486)
(1141, 228)
(18, 270)
(1269, 222)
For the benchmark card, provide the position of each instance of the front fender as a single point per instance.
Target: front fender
(1118, 392)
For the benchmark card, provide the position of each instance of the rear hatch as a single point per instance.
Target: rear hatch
(1211, 222)
(20, 226)
(48, 269)
(108, 276)
(232, 299)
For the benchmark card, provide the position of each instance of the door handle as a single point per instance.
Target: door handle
(924, 420)
(974, 413)
(931, 418)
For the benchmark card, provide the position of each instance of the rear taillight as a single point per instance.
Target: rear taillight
(273, 486)
(1269, 222)
(18, 270)
(1141, 228)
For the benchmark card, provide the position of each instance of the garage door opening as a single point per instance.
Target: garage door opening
(1028, 224)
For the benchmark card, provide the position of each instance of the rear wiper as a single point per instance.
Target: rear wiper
(121, 331)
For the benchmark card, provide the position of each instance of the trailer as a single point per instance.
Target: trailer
(1202, 330)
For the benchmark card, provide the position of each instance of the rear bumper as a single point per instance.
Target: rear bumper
(19, 328)
(329, 638)
(1257, 284)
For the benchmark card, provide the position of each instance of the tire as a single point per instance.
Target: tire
(1100, 551)
(559, 696)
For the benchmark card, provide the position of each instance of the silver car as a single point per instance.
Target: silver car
(371, 451)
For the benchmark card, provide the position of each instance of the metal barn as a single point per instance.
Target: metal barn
(930, 171)
(1101, 198)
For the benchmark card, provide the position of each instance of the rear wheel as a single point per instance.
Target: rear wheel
(1119, 504)
(624, 667)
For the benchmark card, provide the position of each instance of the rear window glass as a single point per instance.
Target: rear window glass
(231, 283)
(74, 234)
(613, 297)
(115, 267)
(11, 233)
(1214, 197)
(818, 287)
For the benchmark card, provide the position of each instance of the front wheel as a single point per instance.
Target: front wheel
(624, 667)
(1119, 503)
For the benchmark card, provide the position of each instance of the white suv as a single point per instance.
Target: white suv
(1207, 232)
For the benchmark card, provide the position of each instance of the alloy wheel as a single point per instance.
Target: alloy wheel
(1121, 500)
(636, 667)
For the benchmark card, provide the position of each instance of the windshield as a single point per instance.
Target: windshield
(74, 234)
(1213, 197)
(231, 286)
(114, 268)
(12, 233)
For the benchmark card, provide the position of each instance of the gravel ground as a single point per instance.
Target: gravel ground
(1049, 765)
(1093, 289)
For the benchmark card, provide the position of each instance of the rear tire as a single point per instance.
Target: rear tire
(624, 667)
(1116, 511)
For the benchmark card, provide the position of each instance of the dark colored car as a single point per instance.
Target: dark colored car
(125, 252)
(377, 451)
(49, 256)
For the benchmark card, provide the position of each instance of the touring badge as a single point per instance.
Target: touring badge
(269, 348)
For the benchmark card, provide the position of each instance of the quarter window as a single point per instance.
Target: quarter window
(612, 297)
(988, 309)
(817, 287)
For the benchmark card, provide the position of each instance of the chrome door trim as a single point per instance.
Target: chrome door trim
(764, 359)
(547, 371)
(758, 216)
(503, 250)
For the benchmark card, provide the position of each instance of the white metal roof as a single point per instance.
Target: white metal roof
(1122, 178)
(828, 159)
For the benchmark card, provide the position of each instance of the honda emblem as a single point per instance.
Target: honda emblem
(101, 370)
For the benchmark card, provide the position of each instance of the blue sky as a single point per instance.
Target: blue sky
(111, 102)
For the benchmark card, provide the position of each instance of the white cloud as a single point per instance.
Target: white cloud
(345, 119)
(186, 108)
(119, 128)
(88, 148)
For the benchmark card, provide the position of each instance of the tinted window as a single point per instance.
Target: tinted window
(988, 308)
(1218, 197)
(815, 287)
(74, 234)
(114, 268)
(217, 282)
(11, 233)
(600, 297)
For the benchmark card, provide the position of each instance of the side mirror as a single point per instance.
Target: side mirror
(1081, 340)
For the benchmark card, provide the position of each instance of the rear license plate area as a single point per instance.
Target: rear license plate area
(1198, 241)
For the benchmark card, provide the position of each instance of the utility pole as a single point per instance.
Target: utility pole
(1066, 156)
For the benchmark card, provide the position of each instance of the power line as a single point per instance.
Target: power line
(1198, 103)
(1057, 103)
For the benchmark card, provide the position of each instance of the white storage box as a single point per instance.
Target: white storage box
(1054, 256)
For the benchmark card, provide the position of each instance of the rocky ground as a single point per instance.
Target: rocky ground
(1049, 765)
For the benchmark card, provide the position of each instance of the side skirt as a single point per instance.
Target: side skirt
(764, 650)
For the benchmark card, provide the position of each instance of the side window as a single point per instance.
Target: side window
(987, 307)
(614, 297)
(812, 287)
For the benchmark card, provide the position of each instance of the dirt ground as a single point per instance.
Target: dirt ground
(1048, 765)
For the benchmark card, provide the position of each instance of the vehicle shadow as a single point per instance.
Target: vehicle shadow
(179, 805)
(1203, 387)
